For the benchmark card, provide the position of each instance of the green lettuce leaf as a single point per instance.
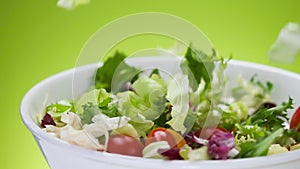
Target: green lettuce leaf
(115, 73)
(57, 109)
(147, 100)
(178, 95)
(143, 105)
(198, 65)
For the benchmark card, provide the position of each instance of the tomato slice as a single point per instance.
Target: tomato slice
(125, 145)
(173, 138)
(295, 120)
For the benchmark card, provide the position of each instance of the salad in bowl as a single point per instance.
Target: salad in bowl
(194, 112)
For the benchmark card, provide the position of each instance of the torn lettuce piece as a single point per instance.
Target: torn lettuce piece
(88, 97)
(57, 109)
(89, 111)
(54, 112)
(90, 102)
(127, 130)
(147, 102)
(101, 124)
(287, 45)
(187, 153)
(151, 150)
(276, 149)
(178, 95)
(142, 127)
(71, 4)
(72, 132)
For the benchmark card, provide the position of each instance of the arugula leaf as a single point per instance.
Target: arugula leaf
(198, 65)
(115, 73)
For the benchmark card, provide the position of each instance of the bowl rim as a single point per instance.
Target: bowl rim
(122, 160)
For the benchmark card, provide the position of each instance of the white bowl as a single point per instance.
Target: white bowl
(73, 82)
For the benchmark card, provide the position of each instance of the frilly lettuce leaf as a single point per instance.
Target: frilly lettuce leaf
(94, 102)
(178, 95)
(143, 105)
(89, 97)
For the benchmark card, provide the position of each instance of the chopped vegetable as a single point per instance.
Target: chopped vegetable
(47, 120)
(220, 144)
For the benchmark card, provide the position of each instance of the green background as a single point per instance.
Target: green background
(39, 39)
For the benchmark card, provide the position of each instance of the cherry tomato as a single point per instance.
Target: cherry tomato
(125, 145)
(173, 138)
(295, 121)
(207, 132)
